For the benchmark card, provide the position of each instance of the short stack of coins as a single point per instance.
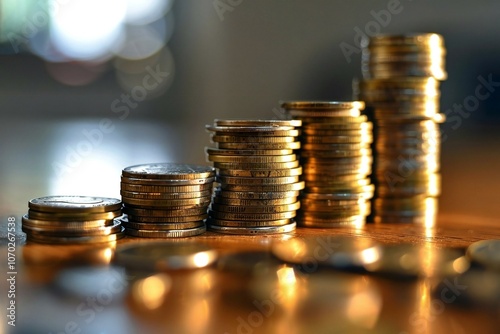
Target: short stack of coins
(401, 89)
(73, 220)
(257, 175)
(166, 200)
(336, 157)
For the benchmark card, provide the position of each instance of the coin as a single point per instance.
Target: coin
(74, 204)
(261, 173)
(251, 216)
(257, 122)
(161, 256)
(332, 222)
(259, 146)
(253, 202)
(321, 105)
(65, 224)
(71, 231)
(161, 226)
(73, 217)
(252, 159)
(256, 166)
(75, 240)
(178, 219)
(324, 113)
(264, 188)
(486, 253)
(254, 230)
(165, 183)
(247, 223)
(163, 203)
(181, 233)
(257, 181)
(253, 139)
(168, 171)
(219, 151)
(256, 195)
(255, 209)
(162, 195)
(164, 213)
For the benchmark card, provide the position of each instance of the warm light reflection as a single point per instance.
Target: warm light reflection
(201, 260)
(286, 276)
(370, 255)
(363, 309)
(461, 265)
(151, 291)
(197, 315)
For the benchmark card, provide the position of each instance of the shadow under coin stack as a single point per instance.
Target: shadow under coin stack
(166, 200)
(401, 89)
(73, 220)
(257, 175)
(336, 157)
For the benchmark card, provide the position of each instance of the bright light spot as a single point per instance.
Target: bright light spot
(364, 308)
(87, 29)
(108, 254)
(461, 265)
(140, 12)
(370, 255)
(201, 260)
(152, 290)
(286, 276)
(141, 42)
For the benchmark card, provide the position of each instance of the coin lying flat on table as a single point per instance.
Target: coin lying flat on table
(74, 204)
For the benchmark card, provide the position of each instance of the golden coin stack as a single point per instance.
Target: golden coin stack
(257, 175)
(73, 220)
(166, 200)
(401, 90)
(336, 156)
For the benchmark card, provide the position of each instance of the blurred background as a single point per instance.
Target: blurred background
(88, 87)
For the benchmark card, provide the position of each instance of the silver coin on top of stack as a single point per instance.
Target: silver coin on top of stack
(336, 158)
(257, 176)
(73, 219)
(166, 200)
(401, 89)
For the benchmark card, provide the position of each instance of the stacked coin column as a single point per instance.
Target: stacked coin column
(166, 200)
(257, 175)
(336, 159)
(400, 86)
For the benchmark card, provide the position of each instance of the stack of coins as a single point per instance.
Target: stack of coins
(73, 219)
(336, 158)
(401, 90)
(166, 200)
(257, 175)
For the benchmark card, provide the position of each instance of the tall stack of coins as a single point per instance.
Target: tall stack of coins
(336, 158)
(73, 219)
(166, 200)
(401, 89)
(257, 175)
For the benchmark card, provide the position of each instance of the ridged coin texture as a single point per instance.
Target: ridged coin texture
(336, 156)
(166, 200)
(73, 219)
(257, 176)
(400, 85)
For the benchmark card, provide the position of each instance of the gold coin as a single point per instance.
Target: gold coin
(217, 151)
(255, 209)
(165, 220)
(423, 220)
(251, 216)
(339, 211)
(256, 166)
(247, 224)
(165, 213)
(333, 203)
(261, 173)
(168, 171)
(336, 153)
(264, 188)
(331, 128)
(332, 222)
(252, 159)
(334, 139)
(75, 240)
(252, 134)
(170, 196)
(259, 146)
(73, 217)
(323, 105)
(337, 189)
(340, 184)
(225, 180)
(324, 113)
(65, 224)
(166, 183)
(162, 226)
(257, 122)
(264, 195)
(253, 128)
(74, 204)
(425, 39)
(333, 122)
(322, 146)
(253, 202)
(173, 191)
(253, 230)
(333, 178)
(363, 133)
(72, 231)
(164, 203)
(312, 215)
(181, 233)
(359, 193)
(252, 139)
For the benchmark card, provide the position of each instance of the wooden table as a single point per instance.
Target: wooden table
(210, 300)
